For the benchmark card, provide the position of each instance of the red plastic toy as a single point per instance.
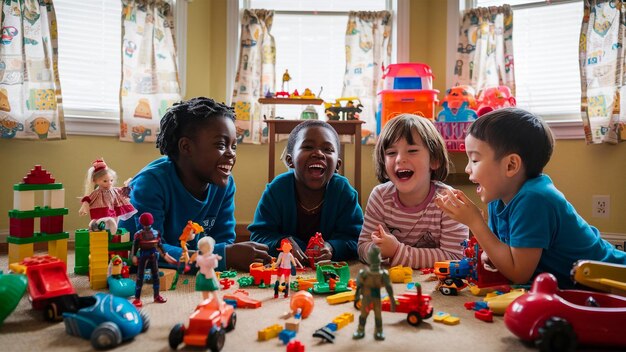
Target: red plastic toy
(242, 299)
(261, 273)
(416, 304)
(558, 320)
(494, 98)
(207, 327)
(316, 243)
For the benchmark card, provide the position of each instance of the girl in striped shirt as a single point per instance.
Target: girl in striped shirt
(401, 216)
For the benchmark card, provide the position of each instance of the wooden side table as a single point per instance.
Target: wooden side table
(350, 128)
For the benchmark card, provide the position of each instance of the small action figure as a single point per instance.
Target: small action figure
(285, 262)
(189, 233)
(286, 79)
(116, 266)
(206, 280)
(148, 241)
(368, 285)
(103, 202)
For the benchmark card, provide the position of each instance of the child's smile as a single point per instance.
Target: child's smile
(315, 157)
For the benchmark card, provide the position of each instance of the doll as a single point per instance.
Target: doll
(103, 202)
(206, 280)
(286, 263)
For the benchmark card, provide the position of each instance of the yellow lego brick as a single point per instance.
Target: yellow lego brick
(98, 285)
(439, 317)
(58, 249)
(17, 252)
(269, 332)
(341, 297)
(401, 274)
(292, 324)
(17, 268)
(452, 320)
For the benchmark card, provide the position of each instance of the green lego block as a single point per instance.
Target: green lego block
(36, 187)
(81, 238)
(37, 213)
(81, 270)
(38, 237)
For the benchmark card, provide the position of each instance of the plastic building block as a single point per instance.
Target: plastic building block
(440, 316)
(343, 320)
(54, 198)
(261, 273)
(51, 224)
(401, 274)
(325, 334)
(295, 346)
(38, 175)
(286, 335)
(22, 228)
(292, 324)
(242, 299)
(58, 249)
(245, 281)
(499, 304)
(23, 200)
(452, 320)
(17, 252)
(98, 259)
(228, 273)
(226, 283)
(340, 297)
(269, 332)
(37, 212)
(484, 315)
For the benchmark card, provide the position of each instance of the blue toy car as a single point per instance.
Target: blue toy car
(108, 322)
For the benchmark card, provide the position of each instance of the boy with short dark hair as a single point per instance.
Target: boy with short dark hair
(532, 227)
(194, 182)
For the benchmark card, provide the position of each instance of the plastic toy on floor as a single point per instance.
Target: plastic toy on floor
(147, 242)
(207, 326)
(316, 243)
(12, 288)
(286, 264)
(107, 321)
(415, 304)
(368, 284)
(559, 320)
(206, 279)
(189, 233)
(102, 201)
(118, 278)
(601, 276)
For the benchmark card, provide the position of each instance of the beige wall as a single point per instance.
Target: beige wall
(579, 171)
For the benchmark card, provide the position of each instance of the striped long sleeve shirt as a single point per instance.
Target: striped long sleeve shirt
(425, 233)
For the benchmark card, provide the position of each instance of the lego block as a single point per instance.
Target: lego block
(38, 237)
(440, 316)
(292, 324)
(295, 346)
(81, 270)
(38, 175)
(343, 320)
(23, 200)
(58, 249)
(54, 198)
(81, 237)
(17, 252)
(51, 224)
(269, 332)
(22, 228)
(341, 297)
(286, 335)
(37, 212)
(452, 320)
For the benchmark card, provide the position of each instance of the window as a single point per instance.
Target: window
(545, 46)
(310, 42)
(90, 62)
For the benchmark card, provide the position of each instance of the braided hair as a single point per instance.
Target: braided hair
(184, 118)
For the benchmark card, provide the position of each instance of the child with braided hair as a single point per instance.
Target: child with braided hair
(193, 181)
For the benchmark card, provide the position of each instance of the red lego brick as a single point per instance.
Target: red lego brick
(51, 224)
(22, 228)
(38, 176)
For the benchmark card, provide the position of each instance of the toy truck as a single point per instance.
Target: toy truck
(415, 304)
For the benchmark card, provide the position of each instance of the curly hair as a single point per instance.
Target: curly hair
(293, 136)
(184, 118)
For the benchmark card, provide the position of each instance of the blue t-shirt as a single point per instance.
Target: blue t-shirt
(157, 189)
(539, 216)
(340, 222)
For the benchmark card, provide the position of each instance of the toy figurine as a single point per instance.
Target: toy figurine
(189, 233)
(206, 280)
(313, 248)
(458, 105)
(286, 79)
(148, 241)
(286, 264)
(103, 202)
(368, 285)
(115, 267)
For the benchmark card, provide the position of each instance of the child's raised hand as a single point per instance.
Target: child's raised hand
(460, 208)
(84, 209)
(387, 243)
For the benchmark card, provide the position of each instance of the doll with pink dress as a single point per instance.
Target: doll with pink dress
(102, 201)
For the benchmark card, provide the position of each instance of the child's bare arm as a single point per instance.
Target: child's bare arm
(516, 264)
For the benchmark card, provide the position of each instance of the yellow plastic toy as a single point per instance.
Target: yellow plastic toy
(602, 276)
(499, 303)
(401, 274)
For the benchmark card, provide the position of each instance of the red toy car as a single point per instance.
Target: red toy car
(558, 320)
(415, 304)
(208, 325)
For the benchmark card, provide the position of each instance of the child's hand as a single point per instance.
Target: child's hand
(487, 264)
(297, 251)
(326, 253)
(84, 209)
(460, 208)
(239, 256)
(387, 243)
(169, 259)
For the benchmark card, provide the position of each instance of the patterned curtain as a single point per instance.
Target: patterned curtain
(601, 71)
(485, 50)
(255, 74)
(30, 92)
(368, 49)
(149, 73)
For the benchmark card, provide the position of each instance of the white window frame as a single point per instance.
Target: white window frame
(562, 129)
(400, 37)
(108, 124)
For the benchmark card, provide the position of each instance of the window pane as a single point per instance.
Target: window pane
(89, 54)
(545, 47)
(325, 5)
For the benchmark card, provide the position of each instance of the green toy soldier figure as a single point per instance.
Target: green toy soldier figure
(368, 285)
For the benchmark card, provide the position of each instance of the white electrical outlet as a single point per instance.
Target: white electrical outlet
(600, 206)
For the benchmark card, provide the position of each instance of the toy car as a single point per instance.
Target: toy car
(558, 320)
(107, 322)
(415, 304)
(207, 327)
